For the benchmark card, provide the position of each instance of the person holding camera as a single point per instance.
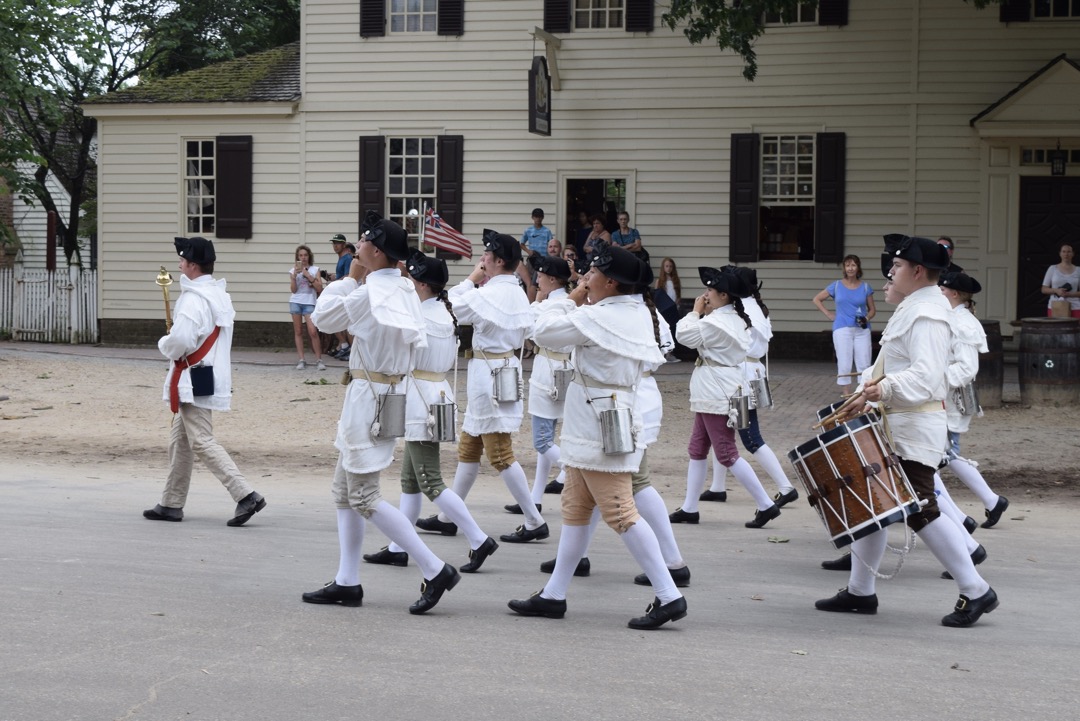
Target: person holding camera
(1062, 281)
(305, 283)
(854, 301)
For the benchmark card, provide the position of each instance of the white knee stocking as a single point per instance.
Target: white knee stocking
(868, 550)
(745, 475)
(719, 476)
(771, 464)
(410, 508)
(946, 504)
(518, 485)
(970, 476)
(544, 463)
(456, 510)
(945, 541)
(464, 478)
(397, 528)
(350, 529)
(695, 483)
(641, 542)
(573, 542)
(651, 507)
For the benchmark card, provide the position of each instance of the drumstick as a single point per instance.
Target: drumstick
(848, 375)
(842, 411)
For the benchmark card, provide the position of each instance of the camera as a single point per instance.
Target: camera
(1067, 287)
(860, 320)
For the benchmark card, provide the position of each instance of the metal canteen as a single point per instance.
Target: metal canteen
(560, 381)
(759, 387)
(507, 384)
(741, 403)
(617, 431)
(391, 415)
(445, 413)
(967, 399)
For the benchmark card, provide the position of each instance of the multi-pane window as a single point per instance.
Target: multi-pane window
(410, 179)
(800, 15)
(1056, 9)
(1042, 156)
(413, 16)
(598, 14)
(199, 186)
(787, 169)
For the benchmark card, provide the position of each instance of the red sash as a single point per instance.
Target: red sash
(187, 362)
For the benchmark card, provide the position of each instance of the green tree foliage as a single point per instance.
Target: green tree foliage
(58, 53)
(737, 24)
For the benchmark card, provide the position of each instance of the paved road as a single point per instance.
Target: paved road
(107, 616)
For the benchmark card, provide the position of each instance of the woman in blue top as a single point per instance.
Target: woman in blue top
(851, 320)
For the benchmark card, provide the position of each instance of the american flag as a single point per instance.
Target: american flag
(437, 232)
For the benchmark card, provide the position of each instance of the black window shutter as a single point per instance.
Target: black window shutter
(448, 182)
(372, 18)
(233, 176)
(451, 17)
(372, 176)
(639, 16)
(832, 12)
(744, 198)
(829, 198)
(556, 17)
(1015, 11)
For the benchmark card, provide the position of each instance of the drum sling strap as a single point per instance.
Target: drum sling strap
(187, 362)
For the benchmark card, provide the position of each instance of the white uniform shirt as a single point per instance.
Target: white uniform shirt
(722, 338)
(438, 357)
(542, 378)
(384, 315)
(968, 341)
(914, 354)
(649, 406)
(500, 316)
(202, 305)
(612, 346)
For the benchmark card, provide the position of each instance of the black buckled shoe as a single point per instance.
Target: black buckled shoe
(553, 487)
(584, 568)
(718, 496)
(841, 564)
(431, 591)
(516, 509)
(248, 506)
(386, 557)
(763, 517)
(524, 535)
(477, 556)
(351, 596)
(537, 605)
(681, 577)
(681, 516)
(993, 515)
(782, 499)
(970, 524)
(968, 611)
(845, 602)
(164, 513)
(977, 557)
(657, 615)
(432, 524)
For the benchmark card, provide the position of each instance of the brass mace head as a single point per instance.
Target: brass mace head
(163, 277)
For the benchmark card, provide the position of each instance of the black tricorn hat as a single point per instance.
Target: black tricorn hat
(746, 281)
(195, 250)
(921, 251)
(720, 281)
(620, 265)
(502, 245)
(550, 265)
(959, 281)
(388, 236)
(428, 270)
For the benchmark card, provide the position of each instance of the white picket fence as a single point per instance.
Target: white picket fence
(49, 306)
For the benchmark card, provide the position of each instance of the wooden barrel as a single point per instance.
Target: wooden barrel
(1049, 367)
(991, 377)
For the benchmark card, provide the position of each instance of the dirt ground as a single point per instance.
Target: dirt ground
(104, 411)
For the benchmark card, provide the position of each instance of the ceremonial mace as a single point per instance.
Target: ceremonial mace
(165, 280)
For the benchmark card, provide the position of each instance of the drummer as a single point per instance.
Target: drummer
(908, 381)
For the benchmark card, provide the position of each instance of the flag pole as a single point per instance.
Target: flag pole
(423, 222)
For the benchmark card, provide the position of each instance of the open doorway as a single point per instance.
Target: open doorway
(588, 197)
(1049, 215)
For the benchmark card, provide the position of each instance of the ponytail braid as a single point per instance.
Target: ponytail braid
(651, 305)
(760, 302)
(737, 303)
(441, 295)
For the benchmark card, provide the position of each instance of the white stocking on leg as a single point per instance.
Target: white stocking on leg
(350, 530)
(695, 483)
(745, 475)
(518, 485)
(464, 478)
(455, 509)
(719, 477)
(945, 502)
(544, 463)
(946, 542)
(397, 528)
(641, 542)
(970, 476)
(771, 464)
(651, 507)
(868, 550)
(573, 542)
(410, 508)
